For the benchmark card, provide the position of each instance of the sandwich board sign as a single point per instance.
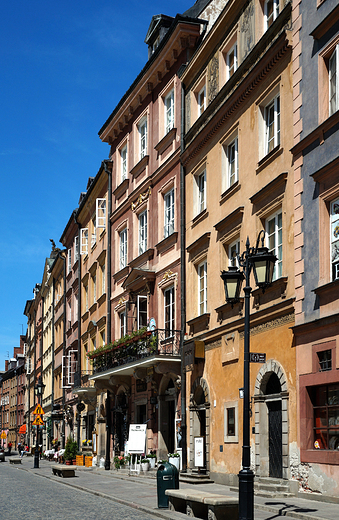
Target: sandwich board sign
(137, 439)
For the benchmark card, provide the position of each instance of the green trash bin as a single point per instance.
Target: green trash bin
(167, 478)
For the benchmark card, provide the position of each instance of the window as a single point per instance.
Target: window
(169, 311)
(142, 129)
(231, 422)
(94, 284)
(142, 232)
(325, 360)
(333, 67)
(123, 248)
(86, 297)
(169, 213)
(335, 239)
(233, 250)
(201, 186)
(232, 162)
(142, 311)
(274, 241)
(123, 324)
(325, 401)
(231, 61)
(202, 288)
(103, 278)
(76, 249)
(169, 112)
(201, 100)
(102, 337)
(271, 12)
(94, 231)
(69, 260)
(84, 241)
(123, 162)
(101, 213)
(272, 124)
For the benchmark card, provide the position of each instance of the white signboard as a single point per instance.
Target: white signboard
(199, 452)
(137, 438)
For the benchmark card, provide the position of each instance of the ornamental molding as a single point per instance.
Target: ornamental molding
(269, 325)
(142, 197)
(168, 278)
(121, 304)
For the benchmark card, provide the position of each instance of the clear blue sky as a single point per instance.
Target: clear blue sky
(63, 68)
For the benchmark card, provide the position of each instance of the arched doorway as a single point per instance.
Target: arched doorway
(120, 421)
(271, 422)
(200, 419)
(167, 415)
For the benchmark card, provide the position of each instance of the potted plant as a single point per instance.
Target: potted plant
(151, 459)
(144, 464)
(174, 458)
(71, 449)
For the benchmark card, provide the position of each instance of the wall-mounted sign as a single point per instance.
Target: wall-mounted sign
(256, 357)
(199, 452)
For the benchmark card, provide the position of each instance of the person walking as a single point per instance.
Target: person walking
(9, 448)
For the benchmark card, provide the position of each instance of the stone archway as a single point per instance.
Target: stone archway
(200, 419)
(271, 421)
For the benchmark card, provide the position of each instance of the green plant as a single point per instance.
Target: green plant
(151, 455)
(71, 449)
(171, 455)
(119, 461)
(144, 461)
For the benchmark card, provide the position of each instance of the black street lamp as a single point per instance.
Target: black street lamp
(38, 390)
(262, 262)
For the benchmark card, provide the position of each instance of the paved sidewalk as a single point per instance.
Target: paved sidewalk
(140, 492)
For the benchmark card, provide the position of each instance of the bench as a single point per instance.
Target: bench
(201, 504)
(15, 461)
(62, 470)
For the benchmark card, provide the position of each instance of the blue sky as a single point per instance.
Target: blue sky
(63, 68)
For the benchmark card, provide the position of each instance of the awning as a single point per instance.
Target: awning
(22, 429)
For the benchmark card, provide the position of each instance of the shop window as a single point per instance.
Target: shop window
(335, 239)
(325, 401)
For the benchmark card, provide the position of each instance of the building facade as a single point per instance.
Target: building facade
(316, 232)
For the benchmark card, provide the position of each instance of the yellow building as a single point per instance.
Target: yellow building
(239, 181)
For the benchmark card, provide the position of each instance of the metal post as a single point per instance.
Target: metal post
(108, 431)
(246, 476)
(36, 453)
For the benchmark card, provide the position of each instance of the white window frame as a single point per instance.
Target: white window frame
(141, 298)
(76, 248)
(228, 406)
(272, 123)
(94, 232)
(170, 307)
(230, 69)
(201, 191)
(123, 162)
(142, 133)
(232, 162)
(233, 247)
(71, 366)
(268, 20)
(69, 260)
(334, 233)
(169, 208)
(100, 213)
(201, 99)
(333, 81)
(123, 323)
(202, 287)
(277, 237)
(169, 111)
(84, 241)
(86, 297)
(142, 241)
(64, 372)
(103, 278)
(94, 283)
(123, 248)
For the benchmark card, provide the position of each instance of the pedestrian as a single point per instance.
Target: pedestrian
(20, 447)
(9, 448)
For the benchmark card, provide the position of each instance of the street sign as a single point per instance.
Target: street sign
(38, 421)
(38, 410)
(257, 357)
(3, 435)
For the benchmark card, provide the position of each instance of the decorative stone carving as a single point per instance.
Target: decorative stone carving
(246, 32)
(213, 78)
(142, 197)
(169, 276)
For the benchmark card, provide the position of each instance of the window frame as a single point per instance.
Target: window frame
(123, 163)
(139, 299)
(334, 239)
(233, 49)
(275, 104)
(169, 111)
(269, 20)
(170, 307)
(233, 261)
(235, 174)
(123, 248)
(278, 246)
(202, 288)
(201, 105)
(231, 438)
(142, 232)
(169, 212)
(200, 179)
(142, 137)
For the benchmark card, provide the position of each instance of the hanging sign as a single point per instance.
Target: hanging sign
(38, 410)
(3, 435)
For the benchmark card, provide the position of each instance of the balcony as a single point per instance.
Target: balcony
(140, 348)
(83, 386)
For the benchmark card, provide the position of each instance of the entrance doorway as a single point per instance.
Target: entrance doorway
(199, 420)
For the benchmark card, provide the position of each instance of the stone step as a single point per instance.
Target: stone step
(193, 480)
(272, 494)
(271, 487)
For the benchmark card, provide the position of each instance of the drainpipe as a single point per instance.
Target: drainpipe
(79, 322)
(35, 360)
(42, 357)
(108, 165)
(183, 288)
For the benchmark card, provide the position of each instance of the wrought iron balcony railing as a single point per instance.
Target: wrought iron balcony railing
(159, 342)
(82, 380)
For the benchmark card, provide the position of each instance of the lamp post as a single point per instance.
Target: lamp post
(262, 262)
(38, 390)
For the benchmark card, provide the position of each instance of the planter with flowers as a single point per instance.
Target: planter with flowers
(174, 458)
(152, 458)
(144, 464)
